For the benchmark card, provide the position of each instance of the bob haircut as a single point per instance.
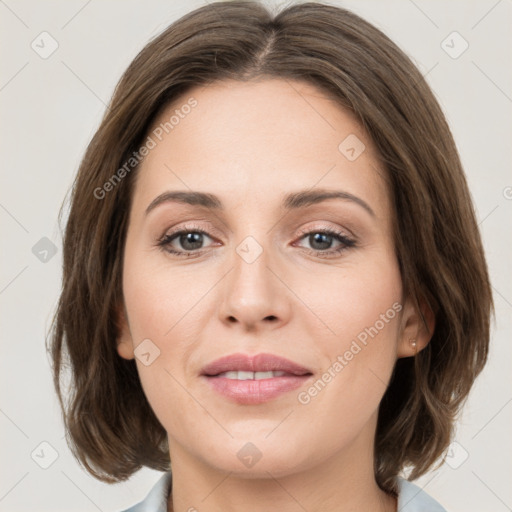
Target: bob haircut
(110, 426)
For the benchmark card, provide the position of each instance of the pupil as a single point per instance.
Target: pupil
(195, 239)
(320, 238)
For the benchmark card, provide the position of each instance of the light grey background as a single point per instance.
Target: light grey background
(51, 107)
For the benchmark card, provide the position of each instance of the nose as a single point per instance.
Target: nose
(254, 295)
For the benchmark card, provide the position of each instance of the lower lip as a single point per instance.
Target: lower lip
(253, 392)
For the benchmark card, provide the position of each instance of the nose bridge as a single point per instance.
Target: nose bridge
(252, 292)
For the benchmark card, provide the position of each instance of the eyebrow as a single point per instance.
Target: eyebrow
(292, 201)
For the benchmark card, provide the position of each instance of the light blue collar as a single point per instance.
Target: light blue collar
(410, 498)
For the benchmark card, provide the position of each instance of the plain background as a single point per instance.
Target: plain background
(50, 109)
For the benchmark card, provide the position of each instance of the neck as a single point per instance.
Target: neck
(344, 482)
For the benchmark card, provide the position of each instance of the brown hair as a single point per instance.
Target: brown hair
(111, 427)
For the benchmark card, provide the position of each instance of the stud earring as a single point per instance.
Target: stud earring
(414, 346)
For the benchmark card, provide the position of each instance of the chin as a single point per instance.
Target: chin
(256, 459)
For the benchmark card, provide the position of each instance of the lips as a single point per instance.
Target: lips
(259, 363)
(253, 380)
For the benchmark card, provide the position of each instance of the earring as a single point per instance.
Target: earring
(414, 346)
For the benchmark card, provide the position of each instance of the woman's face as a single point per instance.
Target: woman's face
(268, 267)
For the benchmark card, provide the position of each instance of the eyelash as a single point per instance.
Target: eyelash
(165, 241)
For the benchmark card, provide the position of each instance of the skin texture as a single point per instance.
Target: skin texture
(250, 144)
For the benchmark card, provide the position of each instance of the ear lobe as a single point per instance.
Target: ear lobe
(124, 341)
(417, 328)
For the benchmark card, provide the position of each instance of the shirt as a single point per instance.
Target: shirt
(410, 498)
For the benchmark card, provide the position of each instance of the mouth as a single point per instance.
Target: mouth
(242, 375)
(255, 379)
(244, 367)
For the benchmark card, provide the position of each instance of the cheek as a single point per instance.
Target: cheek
(167, 307)
(354, 296)
(160, 300)
(361, 323)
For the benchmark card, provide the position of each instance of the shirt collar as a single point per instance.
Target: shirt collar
(411, 498)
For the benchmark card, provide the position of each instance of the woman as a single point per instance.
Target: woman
(273, 277)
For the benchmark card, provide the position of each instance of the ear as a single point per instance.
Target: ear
(416, 329)
(124, 341)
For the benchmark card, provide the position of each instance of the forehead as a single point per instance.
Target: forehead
(264, 137)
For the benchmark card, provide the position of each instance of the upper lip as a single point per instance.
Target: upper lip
(255, 363)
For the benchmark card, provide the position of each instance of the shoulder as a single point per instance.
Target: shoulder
(156, 500)
(413, 499)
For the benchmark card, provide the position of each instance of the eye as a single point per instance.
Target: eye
(189, 242)
(186, 242)
(322, 241)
